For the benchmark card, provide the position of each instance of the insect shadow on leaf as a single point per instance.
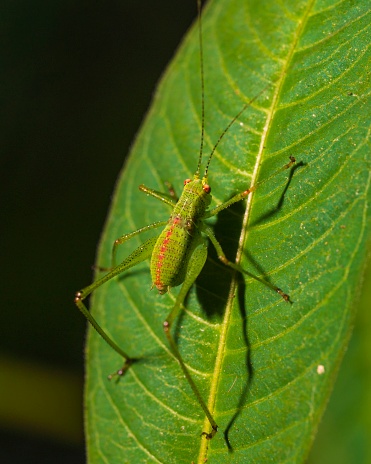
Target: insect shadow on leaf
(178, 254)
(241, 290)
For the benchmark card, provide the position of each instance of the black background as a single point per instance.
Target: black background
(76, 80)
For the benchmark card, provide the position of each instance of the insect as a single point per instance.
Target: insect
(179, 252)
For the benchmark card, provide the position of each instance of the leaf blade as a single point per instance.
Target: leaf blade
(259, 341)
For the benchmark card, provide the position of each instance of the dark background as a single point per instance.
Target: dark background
(76, 80)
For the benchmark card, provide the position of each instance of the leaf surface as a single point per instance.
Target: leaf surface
(254, 357)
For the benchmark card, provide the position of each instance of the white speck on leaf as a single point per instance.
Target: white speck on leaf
(320, 369)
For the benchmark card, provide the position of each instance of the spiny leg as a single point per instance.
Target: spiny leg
(240, 196)
(124, 238)
(170, 199)
(195, 265)
(167, 198)
(221, 255)
(142, 253)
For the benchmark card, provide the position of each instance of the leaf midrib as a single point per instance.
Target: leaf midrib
(243, 237)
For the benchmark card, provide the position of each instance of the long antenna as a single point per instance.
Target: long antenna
(229, 125)
(197, 174)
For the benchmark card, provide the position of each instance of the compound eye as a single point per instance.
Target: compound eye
(187, 181)
(206, 188)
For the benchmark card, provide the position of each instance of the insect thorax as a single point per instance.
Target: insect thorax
(193, 201)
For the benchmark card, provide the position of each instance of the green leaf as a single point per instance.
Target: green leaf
(344, 433)
(254, 357)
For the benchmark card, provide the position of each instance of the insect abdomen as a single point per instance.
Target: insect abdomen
(169, 255)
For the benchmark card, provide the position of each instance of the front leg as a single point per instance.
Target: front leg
(168, 198)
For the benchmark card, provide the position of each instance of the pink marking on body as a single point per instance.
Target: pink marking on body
(161, 255)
